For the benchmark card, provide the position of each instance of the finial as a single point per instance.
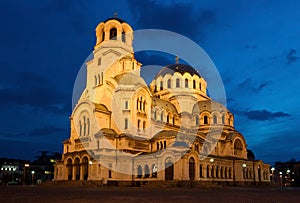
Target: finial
(115, 14)
(176, 59)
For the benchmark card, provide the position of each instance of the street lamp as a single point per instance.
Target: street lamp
(32, 181)
(273, 178)
(244, 165)
(211, 175)
(24, 175)
(90, 169)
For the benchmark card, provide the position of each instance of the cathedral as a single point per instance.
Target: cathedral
(123, 130)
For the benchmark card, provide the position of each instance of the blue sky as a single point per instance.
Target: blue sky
(255, 47)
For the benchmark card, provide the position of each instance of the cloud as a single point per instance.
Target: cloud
(291, 58)
(32, 89)
(247, 84)
(263, 115)
(182, 18)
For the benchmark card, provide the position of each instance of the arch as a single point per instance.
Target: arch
(225, 173)
(222, 172)
(113, 33)
(157, 145)
(139, 171)
(217, 172)
(207, 171)
(77, 168)
(223, 119)
(197, 120)
(230, 172)
(85, 168)
(194, 84)
(123, 37)
(147, 171)
(161, 85)
(213, 171)
(69, 169)
(215, 118)
(186, 83)
(192, 168)
(238, 147)
(200, 171)
(169, 169)
(205, 120)
(177, 82)
(169, 83)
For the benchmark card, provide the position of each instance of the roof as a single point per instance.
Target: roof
(129, 79)
(168, 106)
(209, 105)
(180, 68)
(115, 18)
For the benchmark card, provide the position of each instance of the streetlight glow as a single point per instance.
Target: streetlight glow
(211, 160)
(244, 165)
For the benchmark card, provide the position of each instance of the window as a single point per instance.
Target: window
(186, 82)
(215, 119)
(161, 85)
(194, 84)
(103, 36)
(126, 104)
(157, 145)
(173, 120)
(99, 80)
(96, 80)
(139, 123)
(223, 119)
(132, 66)
(144, 105)
(162, 116)
(201, 171)
(205, 120)
(98, 144)
(80, 129)
(88, 126)
(137, 104)
(144, 125)
(169, 83)
(177, 82)
(197, 120)
(84, 125)
(101, 77)
(155, 114)
(200, 86)
(167, 118)
(126, 124)
(165, 144)
(113, 34)
(99, 61)
(123, 37)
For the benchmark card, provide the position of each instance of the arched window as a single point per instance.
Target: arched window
(132, 66)
(95, 80)
(217, 172)
(98, 144)
(177, 82)
(126, 124)
(113, 34)
(212, 171)
(200, 171)
(205, 120)
(161, 145)
(99, 80)
(162, 116)
(84, 126)
(161, 85)
(155, 114)
(144, 105)
(215, 119)
(186, 83)
(223, 119)
(101, 77)
(103, 36)
(147, 171)
(80, 128)
(169, 83)
(194, 84)
(197, 120)
(88, 126)
(238, 147)
(207, 171)
(168, 118)
(99, 61)
(157, 146)
(126, 104)
(139, 123)
(137, 104)
(200, 85)
(173, 120)
(165, 144)
(123, 37)
(139, 172)
(144, 125)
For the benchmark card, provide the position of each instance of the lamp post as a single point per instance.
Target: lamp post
(211, 175)
(244, 168)
(32, 176)
(24, 175)
(273, 177)
(90, 170)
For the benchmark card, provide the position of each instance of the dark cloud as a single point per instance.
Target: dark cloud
(182, 18)
(291, 58)
(35, 90)
(247, 84)
(263, 115)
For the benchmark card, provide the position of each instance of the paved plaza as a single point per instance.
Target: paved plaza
(140, 194)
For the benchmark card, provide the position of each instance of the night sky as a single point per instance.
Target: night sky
(255, 47)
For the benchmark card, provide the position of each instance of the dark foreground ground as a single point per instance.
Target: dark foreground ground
(70, 194)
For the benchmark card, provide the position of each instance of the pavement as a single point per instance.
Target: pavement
(34, 194)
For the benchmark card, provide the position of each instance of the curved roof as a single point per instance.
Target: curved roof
(129, 79)
(209, 105)
(168, 106)
(180, 68)
(115, 18)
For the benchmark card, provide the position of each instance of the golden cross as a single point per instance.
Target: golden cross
(115, 14)
(177, 59)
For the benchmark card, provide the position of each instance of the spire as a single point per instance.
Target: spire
(176, 59)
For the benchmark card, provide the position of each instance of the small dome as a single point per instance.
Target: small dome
(130, 79)
(180, 68)
(115, 18)
(209, 105)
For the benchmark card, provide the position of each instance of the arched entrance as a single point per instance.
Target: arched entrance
(69, 169)
(147, 171)
(85, 168)
(77, 168)
(192, 168)
(169, 169)
(139, 172)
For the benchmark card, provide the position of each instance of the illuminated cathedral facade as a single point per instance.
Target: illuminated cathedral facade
(124, 130)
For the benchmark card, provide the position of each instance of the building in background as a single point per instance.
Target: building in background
(123, 130)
